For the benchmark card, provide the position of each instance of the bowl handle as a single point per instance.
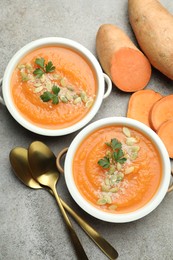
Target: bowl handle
(108, 84)
(1, 98)
(171, 186)
(58, 159)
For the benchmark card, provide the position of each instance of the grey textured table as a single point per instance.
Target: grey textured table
(31, 226)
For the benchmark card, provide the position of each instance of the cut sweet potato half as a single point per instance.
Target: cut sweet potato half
(126, 65)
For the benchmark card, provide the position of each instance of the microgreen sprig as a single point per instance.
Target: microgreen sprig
(43, 68)
(114, 144)
(116, 155)
(104, 162)
(47, 95)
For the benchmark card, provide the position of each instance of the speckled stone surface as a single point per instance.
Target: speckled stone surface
(31, 226)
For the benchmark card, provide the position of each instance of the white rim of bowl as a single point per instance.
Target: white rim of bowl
(125, 217)
(48, 42)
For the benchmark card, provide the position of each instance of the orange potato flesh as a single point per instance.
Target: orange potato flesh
(130, 70)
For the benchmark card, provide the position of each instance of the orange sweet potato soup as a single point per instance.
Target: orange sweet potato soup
(53, 87)
(117, 169)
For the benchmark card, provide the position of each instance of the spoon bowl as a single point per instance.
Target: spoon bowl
(43, 164)
(19, 162)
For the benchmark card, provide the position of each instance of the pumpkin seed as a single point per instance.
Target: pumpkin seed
(43, 78)
(135, 148)
(131, 141)
(111, 169)
(113, 179)
(113, 207)
(119, 166)
(29, 66)
(126, 131)
(21, 66)
(69, 96)
(127, 156)
(38, 89)
(37, 85)
(31, 78)
(114, 189)
(105, 188)
(101, 201)
(63, 82)
(120, 177)
(57, 76)
(108, 154)
(75, 96)
(84, 96)
(24, 76)
(89, 103)
(108, 199)
(77, 100)
(70, 88)
(107, 181)
(49, 86)
(129, 169)
(63, 99)
(134, 156)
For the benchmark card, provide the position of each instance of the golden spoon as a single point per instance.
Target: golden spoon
(19, 162)
(43, 168)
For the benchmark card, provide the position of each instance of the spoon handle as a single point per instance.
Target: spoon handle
(93, 234)
(76, 242)
(107, 249)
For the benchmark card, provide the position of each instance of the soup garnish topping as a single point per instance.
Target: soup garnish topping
(117, 162)
(52, 86)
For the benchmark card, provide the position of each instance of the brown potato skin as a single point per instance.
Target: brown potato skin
(153, 28)
(110, 39)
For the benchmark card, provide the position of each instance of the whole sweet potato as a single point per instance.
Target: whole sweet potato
(153, 28)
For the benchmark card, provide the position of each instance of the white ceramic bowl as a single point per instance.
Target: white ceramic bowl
(100, 77)
(106, 216)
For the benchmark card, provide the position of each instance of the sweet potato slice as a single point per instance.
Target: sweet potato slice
(161, 111)
(140, 104)
(125, 64)
(165, 132)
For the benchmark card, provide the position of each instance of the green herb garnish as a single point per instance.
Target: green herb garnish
(49, 67)
(38, 72)
(40, 62)
(47, 95)
(114, 144)
(116, 155)
(105, 162)
(55, 89)
(44, 68)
